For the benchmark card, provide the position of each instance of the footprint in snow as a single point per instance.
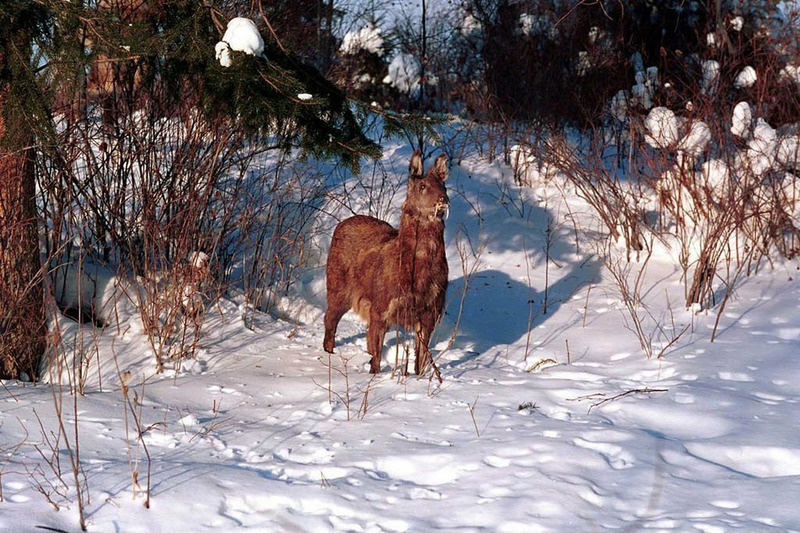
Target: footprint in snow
(15, 486)
(306, 455)
(617, 457)
(424, 440)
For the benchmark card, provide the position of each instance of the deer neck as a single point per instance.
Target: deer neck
(420, 242)
(415, 228)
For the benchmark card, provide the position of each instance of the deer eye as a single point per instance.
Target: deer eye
(423, 186)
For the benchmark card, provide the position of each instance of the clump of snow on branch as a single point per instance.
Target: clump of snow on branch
(242, 35)
(470, 25)
(404, 73)
(742, 119)
(761, 148)
(646, 85)
(662, 127)
(746, 78)
(790, 73)
(710, 80)
(618, 107)
(716, 176)
(532, 25)
(788, 151)
(369, 39)
(695, 142)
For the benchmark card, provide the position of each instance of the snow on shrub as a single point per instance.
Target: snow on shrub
(761, 148)
(242, 35)
(787, 151)
(790, 73)
(404, 73)
(710, 80)
(369, 39)
(695, 142)
(746, 78)
(646, 86)
(715, 175)
(662, 127)
(742, 119)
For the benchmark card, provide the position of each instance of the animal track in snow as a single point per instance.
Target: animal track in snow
(15, 486)
(616, 456)
(311, 455)
(432, 469)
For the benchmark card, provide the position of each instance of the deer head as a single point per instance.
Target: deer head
(427, 196)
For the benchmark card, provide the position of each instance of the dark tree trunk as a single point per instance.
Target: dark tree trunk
(23, 330)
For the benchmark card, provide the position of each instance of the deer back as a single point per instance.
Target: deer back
(376, 267)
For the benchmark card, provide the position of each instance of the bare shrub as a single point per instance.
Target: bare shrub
(151, 196)
(615, 200)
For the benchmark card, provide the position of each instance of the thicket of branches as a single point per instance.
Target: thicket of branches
(151, 160)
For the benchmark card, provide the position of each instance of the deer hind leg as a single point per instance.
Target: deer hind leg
(422, 354)
(334, 313)
(376, 330)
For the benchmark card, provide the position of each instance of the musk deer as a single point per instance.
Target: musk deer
(393, 277)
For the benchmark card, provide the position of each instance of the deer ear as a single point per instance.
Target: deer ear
(415, 165)
(440, 166)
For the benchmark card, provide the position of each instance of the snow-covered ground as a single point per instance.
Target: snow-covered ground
(545, 421)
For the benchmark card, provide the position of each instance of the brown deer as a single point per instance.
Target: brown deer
(393, 277)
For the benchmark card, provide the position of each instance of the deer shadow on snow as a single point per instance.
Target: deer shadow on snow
(499, 310)
(501, 305)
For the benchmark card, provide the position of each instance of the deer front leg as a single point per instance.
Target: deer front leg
(376, 330)
(333, 315)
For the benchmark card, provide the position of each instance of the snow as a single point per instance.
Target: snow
(549, 418)
(761, 148)
(532, 25)
(790, 73)
(710, 80)
(742, 119)
(369, 39)
(404, 73)
(645, 87)
(618, 107)
(470, 25)
(696, 140)
(662, 127)
(544, 422)
(788, 151)
(746, 78)
(241, 35)
(524, 165)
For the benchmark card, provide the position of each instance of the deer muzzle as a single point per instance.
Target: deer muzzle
(442, 208)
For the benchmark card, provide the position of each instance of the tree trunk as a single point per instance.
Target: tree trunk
(23, 329)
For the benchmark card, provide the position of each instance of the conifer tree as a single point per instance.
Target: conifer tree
(166, 48)
(22, 324)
